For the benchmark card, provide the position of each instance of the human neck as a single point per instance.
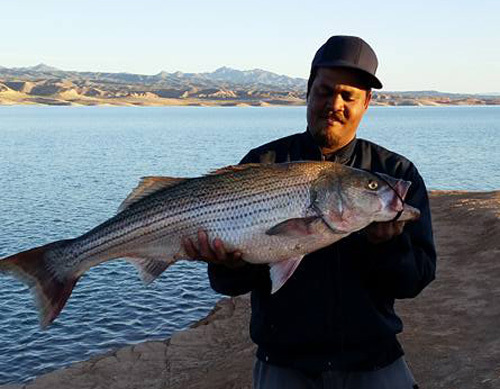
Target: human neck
(328, 150)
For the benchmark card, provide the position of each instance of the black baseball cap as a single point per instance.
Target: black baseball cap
(348, 52)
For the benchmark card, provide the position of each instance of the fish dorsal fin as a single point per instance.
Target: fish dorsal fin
(147, 186)
(281, 271)
(235, 168)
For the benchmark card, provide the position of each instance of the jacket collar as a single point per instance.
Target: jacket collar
(311, 151)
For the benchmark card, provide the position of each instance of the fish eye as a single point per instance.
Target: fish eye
(373, 185)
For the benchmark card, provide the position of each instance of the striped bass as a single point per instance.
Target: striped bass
(274, 214)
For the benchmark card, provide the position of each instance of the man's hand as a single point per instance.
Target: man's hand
(382, 232)
(216, 254)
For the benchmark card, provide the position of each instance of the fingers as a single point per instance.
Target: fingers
(190, 249)
(232, 260)
(238, 256)
(205, 249)
(236, 260)
(398, 227)
(382, 232)
(220, 250)
(203, 252)
(216, 253)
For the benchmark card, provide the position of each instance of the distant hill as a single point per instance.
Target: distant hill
(223, 76)
(44, 84)
(40, 68)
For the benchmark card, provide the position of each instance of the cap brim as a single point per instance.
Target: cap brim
(372, 81)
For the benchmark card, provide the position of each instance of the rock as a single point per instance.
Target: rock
(217, 350)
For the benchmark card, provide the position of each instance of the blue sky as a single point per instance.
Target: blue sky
(451, 46)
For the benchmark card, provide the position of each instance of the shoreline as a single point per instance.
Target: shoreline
(6, 100)
(451, 335)
(233, 105)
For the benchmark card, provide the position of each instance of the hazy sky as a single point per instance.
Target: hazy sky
(450, 46)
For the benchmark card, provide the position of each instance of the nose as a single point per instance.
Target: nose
(337, 103)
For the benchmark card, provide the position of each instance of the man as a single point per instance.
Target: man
(333, 323)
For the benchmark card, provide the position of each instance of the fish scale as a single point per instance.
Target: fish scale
(227, 225)
(273, 214)
(158, 220)
(178, 211)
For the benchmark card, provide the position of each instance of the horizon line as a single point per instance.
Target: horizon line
(40, 64)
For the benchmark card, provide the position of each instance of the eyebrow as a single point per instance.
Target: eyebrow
(352, 89)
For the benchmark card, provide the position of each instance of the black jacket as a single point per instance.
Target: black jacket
(337, 310)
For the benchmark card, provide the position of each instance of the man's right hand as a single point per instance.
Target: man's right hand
(211, 254)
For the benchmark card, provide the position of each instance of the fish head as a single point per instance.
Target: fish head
(349, 199)
(392, 196)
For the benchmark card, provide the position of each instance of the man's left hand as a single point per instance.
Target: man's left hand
(382, 232)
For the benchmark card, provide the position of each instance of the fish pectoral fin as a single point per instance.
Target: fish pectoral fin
(294, 227)
(149, 269)
(147, 186)
(281, 271)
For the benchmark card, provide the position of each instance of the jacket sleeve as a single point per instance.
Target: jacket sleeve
(405, 265)
(237, 281)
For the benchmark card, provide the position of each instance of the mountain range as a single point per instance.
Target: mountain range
(44, 84)
(222, 77)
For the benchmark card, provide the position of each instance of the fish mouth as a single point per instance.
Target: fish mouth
(398, 190)
(409, 213)
(404, 212)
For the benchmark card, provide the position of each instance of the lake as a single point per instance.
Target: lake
(66, 169)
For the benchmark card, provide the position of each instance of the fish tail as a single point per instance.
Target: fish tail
(49, 284)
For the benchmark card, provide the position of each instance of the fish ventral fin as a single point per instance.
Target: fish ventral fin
(147, 186)
(48, 282)
(149, 269)
(281, 271)
(297, 227)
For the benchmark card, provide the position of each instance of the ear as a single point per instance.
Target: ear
(368, 99)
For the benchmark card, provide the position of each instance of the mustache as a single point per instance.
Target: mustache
(334, 115)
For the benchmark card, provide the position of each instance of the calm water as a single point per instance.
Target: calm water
(65, 169)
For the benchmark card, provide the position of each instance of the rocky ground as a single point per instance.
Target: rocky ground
(452, 333)
(452, 330)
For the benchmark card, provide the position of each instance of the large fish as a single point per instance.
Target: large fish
(273, 214)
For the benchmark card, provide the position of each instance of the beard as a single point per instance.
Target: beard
(325, 137)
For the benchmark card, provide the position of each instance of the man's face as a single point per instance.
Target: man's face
(337, 101)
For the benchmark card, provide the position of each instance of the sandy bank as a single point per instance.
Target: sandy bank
(147, 99)
(452, 330)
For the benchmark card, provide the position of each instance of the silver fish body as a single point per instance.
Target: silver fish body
(273, 214)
